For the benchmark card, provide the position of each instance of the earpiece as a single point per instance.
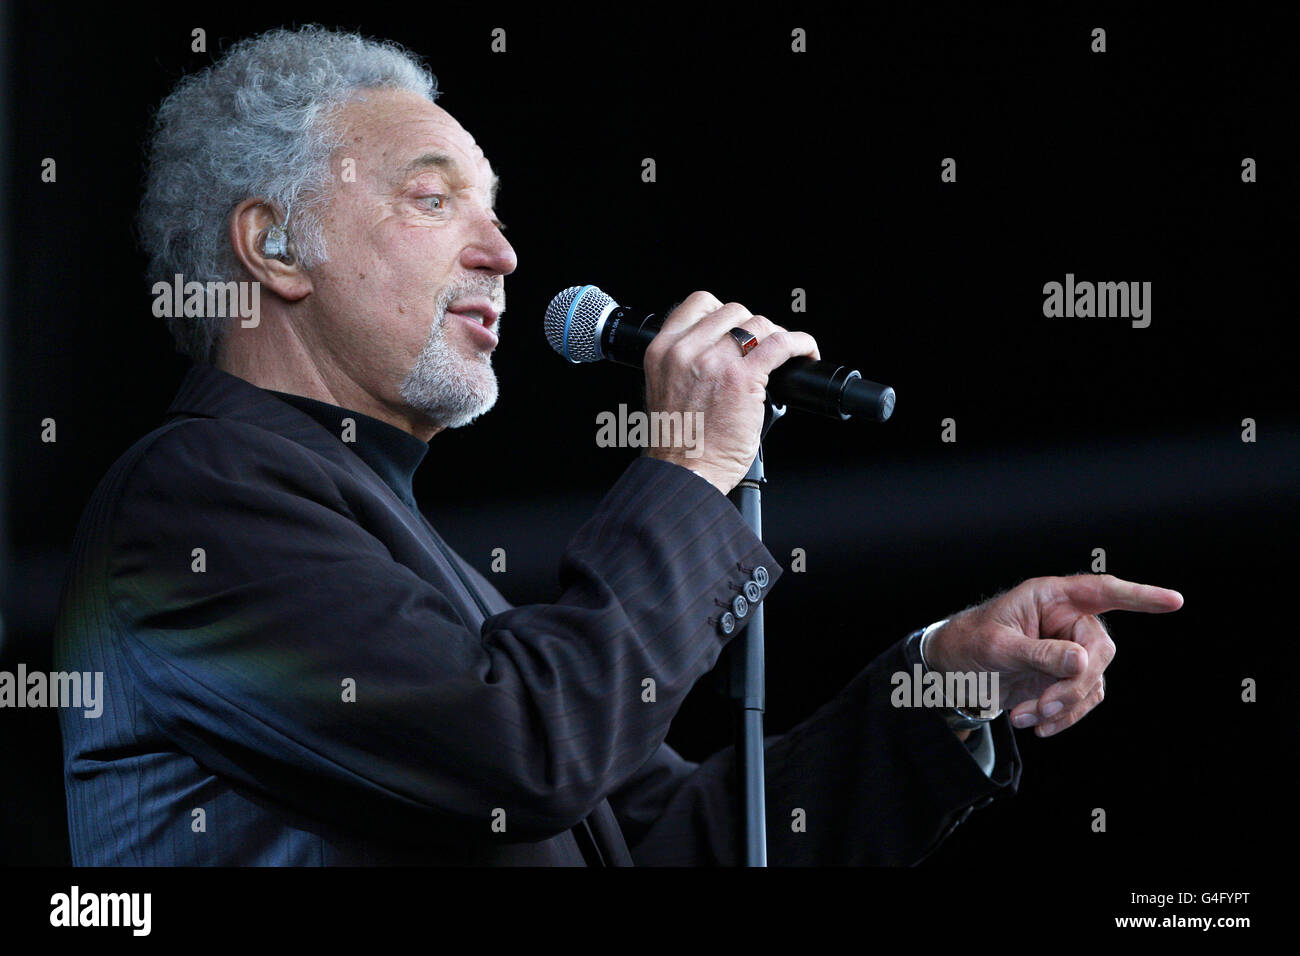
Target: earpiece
(276, 243)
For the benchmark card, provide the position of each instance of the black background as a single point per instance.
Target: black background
(819, 171)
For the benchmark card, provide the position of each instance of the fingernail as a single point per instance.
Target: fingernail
(1024, 720)
(1052, 709)
(1046, 730)
(1071, 660)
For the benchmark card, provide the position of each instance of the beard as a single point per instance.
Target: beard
(449, 389)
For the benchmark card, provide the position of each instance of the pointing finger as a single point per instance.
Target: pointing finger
(1098, 593)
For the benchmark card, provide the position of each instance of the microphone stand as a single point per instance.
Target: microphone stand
(746, 687)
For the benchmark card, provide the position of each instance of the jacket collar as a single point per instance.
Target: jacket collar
(208, 392)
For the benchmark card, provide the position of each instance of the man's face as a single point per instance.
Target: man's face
(411, 240)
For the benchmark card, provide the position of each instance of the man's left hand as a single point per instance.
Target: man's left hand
(1046, 643)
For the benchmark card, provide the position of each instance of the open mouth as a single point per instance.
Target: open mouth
(481, 324)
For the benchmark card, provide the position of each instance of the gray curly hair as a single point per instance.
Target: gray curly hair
(254, 124)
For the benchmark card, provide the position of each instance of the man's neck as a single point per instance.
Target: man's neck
(288, 367)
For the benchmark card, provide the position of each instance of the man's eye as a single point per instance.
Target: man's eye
(435, 202)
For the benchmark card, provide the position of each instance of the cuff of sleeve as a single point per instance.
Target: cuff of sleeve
(980, 745)
(691, 542)
(956, 780)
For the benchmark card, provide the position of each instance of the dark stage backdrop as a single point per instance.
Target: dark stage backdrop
(776, 170)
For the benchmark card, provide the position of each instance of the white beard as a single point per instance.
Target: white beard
(450, 389)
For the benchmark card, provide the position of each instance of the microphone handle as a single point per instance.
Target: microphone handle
(820, 387)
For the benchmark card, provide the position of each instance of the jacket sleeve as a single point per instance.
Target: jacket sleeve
(306, 664)
(876, 785)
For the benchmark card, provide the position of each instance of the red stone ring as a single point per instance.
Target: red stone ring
(747, 341)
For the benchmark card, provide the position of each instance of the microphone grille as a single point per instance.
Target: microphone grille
(571, 321)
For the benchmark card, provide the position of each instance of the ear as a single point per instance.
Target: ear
(250, 222)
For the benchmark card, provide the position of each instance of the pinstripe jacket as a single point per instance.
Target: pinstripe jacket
(298, 670)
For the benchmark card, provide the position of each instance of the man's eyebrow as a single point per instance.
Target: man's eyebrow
(451, 167)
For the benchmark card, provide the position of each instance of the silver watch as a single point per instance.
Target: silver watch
(956, 718)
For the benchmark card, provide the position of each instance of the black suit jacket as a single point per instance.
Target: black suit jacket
(326, 682)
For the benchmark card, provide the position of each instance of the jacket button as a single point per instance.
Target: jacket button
(727, 623)
(740, 605)
(753, 592)
(760, 576)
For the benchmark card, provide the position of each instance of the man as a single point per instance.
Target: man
(298, 670)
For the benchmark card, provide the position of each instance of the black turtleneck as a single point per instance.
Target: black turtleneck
(391, 453)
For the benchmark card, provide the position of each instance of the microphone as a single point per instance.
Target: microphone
(584, 324)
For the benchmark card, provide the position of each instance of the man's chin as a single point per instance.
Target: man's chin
(449, 389)
(468, 406)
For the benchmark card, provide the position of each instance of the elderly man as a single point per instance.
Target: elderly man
(298, 670)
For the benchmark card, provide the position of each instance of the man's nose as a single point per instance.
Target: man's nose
(490, 251)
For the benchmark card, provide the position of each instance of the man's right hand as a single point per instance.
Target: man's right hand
(694, 365)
